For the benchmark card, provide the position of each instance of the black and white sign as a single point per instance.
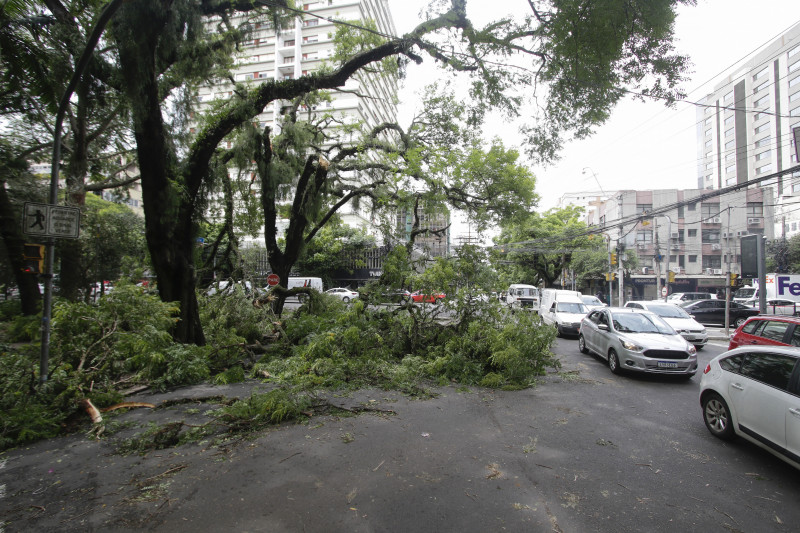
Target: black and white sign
(47, 220)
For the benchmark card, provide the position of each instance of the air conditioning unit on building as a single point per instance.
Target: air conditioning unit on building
(753, 220)
(715, 246)
(645, 270)
(715, 220)
(727, 234)
(741, 233)
(674, 235)
(709, 271)
(717, 271)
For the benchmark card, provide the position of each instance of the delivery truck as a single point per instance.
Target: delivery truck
(778, 287)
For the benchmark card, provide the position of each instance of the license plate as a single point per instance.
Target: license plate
(667, 364)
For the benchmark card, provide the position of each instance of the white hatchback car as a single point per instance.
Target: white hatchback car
(343, 294)
(680, 320)
(754, 392)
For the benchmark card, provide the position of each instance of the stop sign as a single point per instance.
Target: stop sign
(663, 291)
(273, 279)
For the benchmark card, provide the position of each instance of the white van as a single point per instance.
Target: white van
(522, 296)
(563, 309)
(314, 283)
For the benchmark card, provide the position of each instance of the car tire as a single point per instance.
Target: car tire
(582, 344)
(717, 416)
(346, 299)
(613, 362)
(558, 331)
(739, 321)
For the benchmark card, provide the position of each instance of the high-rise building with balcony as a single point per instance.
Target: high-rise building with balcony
(744, 128)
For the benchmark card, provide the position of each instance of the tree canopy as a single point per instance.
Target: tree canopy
(564, 63)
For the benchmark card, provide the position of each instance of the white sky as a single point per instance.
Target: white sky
(643, 145)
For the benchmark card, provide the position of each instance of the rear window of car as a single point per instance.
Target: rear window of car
(750, 327)
(732, 363)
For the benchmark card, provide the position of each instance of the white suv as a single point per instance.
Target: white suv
(754, 392)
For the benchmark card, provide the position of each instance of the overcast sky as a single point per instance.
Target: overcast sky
(643, 145)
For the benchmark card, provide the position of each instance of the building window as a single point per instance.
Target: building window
(680, 211)
(710, 236)
(730, 168)
(760, 73)
(795, 96)
(759, 116)
(764, 169)
(288, 59)
(692, 233)
(729, 132)
(310, 23)
(730, 157)
(729, 120)
(708, 142)
(760, 87)
(761, 129)
(709, 210)
(762, 155)
(794, 51)
(794, 66)
(712, 261)
(764, 100)
(644, 208)
(644, 236)
(710, 165)
(730, 145)
(311, 39)
(728, 97)
(755, 209)
(288, 42)
(794, 226)
(795, 112)
(692, 207)
(693, 259)
(709, 120)
(763, 142)
(794, 82)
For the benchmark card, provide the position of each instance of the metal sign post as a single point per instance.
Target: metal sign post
(49, 222)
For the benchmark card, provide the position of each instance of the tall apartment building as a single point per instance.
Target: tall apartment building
(302, 48)
(744, 131)
(701, 239)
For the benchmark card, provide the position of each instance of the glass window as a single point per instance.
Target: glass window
(729, 96)
(795, 96)
(794, 81)
(709, 120)
(755, 209)
(794, 66)
(732, 364)
(764, 169)
(641, 208)
(764, 100)
(693, 259)
(729, 120)
(751, 326)
(774, 330)
(760, 73)
(795, 340)
(710, 236)
(795, 112)
(772, 369)
(761, 129)
(644, 236)
(693, 233)
(763, 142)
(692, 207)
(762, 155)
(729, 132)
(794, 51)
(730, 168)
(709, 210)
(761, 86)
(729, 145)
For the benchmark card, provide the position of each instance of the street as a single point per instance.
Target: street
(584, 450)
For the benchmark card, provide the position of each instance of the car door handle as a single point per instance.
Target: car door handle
(795, 412)
(753, 342)
(737, 386)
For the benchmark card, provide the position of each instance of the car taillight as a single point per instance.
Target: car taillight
(708, 369)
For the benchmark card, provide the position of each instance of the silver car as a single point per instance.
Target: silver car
(680, 320)
(636, 340)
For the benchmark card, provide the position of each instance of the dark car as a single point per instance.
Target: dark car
(767, 330)
(713, 312)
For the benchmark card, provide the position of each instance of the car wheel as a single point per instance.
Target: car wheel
(346, 299)
(739, 321)
(717, 416)
(613, 362)
(582, 344)
(558, 331)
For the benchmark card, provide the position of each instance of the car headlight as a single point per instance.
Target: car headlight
(692, 350)
(628, 345)
(703, 331)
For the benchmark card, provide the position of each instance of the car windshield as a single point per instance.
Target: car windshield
(744, 293)
(591, 300)
(526, 292)
(668, 311)
(571, 307)
(640, 323)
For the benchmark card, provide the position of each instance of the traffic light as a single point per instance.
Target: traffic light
(33, 258)
(735, 280)
(611, 276)
(671, 276)
(613, 258)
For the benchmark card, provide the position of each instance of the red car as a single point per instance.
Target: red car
(771, 330)
(419, 297)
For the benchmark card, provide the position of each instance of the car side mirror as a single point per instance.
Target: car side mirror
(603, 327)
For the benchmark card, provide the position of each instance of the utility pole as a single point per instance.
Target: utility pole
(728, 276)
(657, 258)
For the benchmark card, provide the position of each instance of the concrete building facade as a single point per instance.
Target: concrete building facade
(744, 129)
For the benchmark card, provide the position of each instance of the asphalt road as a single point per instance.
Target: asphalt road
(583, 451)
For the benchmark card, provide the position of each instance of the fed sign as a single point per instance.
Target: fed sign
(787, 286)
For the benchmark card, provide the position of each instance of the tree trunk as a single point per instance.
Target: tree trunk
(28, 284)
